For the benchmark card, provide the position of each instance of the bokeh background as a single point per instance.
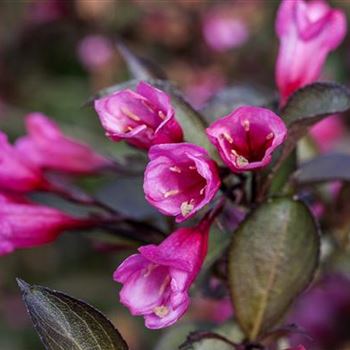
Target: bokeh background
(55, 54)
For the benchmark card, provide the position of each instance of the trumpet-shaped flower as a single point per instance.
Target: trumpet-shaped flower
(142, 118)
(247, 137)
(156, 281)
(180, 179)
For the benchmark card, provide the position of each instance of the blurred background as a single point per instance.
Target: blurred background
(55, 54)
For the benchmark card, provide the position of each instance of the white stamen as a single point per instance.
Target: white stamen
(270, 136)
(161, 115)
(241, 161)
(175, 169)
(186, 207)
(192, 167)
(246, 125)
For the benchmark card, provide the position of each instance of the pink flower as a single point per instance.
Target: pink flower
(308, 31)
(95, 51)
(47, 147)
(180, 179)
(327, 132)
(156, 281)
(16, 173)
(247, 137)
(222, 31)
(142, 118)
(24, 224)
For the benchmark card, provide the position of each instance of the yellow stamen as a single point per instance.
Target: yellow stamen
(130, 114)
(171, 193)
(129, 128)
(175, 169)
(186, 207)
(161, 311)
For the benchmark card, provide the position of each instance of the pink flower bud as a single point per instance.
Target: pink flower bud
(47, 147)
(247, 137)
(223, 31)
(328, 132)
(16, 173)
(24, 224)
(156, 281)
(308, 31)
(142, 118)
(95, 51)
(180, 179)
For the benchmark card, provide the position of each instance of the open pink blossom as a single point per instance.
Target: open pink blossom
(24, 224)
(16, 173)
(247, 137)
(308, 31)
(142, 118)
(47, 147)
(156, 281)
(180, 179)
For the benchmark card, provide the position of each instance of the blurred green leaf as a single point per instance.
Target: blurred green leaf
(141, 68)
(324, 168)
(63, 322)
(273, 257)
(232, 97)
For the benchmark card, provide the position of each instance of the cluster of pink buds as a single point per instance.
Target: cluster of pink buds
(308, 31)
(23, 169)
(179, 180)
(24, 224)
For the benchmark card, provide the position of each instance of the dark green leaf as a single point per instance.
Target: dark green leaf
(283, 174)
(315, 101)
(273, 257)
(141, 68)
(63, 322)
(306, 107)
(324, 168)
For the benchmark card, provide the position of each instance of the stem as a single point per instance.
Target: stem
(80, 197)
(198, 336)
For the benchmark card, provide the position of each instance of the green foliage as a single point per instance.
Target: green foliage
(273, 256)
(63, 322)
